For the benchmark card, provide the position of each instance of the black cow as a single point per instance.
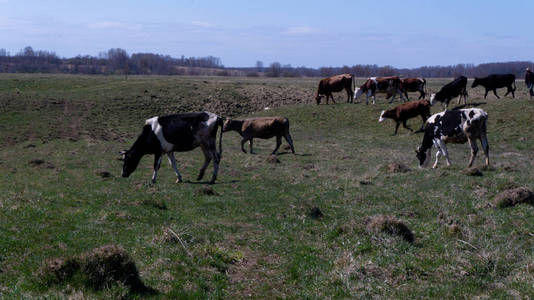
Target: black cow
(529, 81)
(455, 88)
(176, 133)
(456, 126)
(495, 81)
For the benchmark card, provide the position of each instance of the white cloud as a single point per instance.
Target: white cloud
(201, 24)
(300, 30)
(114, 25)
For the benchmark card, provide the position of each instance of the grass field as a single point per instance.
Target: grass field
(252, 234)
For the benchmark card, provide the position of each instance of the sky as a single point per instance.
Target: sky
(408, 33)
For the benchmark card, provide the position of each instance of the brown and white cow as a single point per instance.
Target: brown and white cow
(405, 111)
(334, 84)
(414, 85)
(391, 85)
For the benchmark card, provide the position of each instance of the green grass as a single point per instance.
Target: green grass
(255, 236)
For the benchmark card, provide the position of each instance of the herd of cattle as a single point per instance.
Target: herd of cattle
(185, 132)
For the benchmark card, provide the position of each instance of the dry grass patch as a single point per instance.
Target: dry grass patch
(389, 225)
(513, 197)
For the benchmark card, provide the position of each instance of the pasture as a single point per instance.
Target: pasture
(253, 233)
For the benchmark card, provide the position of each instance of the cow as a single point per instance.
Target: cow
(454, 126)
(529, 81)
(390, 85)
(495, 81)
(335, 84)
(414, 85)
(455, 88)
(405, 111)
(263, 128)
(176, 133)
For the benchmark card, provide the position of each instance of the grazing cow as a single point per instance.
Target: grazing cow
(405, 111)
(176, 133)
(263, 128)
(529, 81)
(455, 88)
(414, 85)
(334, 84)
(390, 85)
(454, 126)
(495, 81)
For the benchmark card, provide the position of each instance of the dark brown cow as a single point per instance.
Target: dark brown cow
(390, 85)
(414, 85)
(405, 111)
(334, 84)
(529, 81)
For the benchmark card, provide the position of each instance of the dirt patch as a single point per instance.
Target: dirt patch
(104, 174)
(397, 168)
(41, 163)
(390, 225)
(99, 268)
(272, 159)
(316, 213)
(513, 197)
(205, 191)
(473, 171)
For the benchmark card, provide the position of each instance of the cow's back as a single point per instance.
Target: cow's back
(179, 130)
(264, 127)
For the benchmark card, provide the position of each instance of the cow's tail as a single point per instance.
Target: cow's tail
(220, 123)
(514, 85)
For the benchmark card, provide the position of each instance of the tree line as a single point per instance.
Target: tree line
(118, 61)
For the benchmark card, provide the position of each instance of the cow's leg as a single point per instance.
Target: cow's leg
(216, 160)
(207, 160)
(396, 127)
(495, 92)
(289, 140)
(172, 161)
(393, 98)
(243, 141)
(278, 143)
(442, 149)
(332, 96)
(486, 94)
(406, 126)
(485, 147)
(250, 144)
(438, 153)
(157, 163)
(367, 98)
(474, 151)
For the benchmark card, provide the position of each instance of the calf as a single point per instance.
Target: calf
(495, 81)
(414, 85)
(455, 88)
(334, 84)
(454, 126)
(406, 111)
(529, 81)
(263, 128)
(176, 133)
(390, 85)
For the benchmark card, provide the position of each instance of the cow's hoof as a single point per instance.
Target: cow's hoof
(178, 180)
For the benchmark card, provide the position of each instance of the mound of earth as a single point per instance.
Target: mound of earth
(513, 197)
(390, 225)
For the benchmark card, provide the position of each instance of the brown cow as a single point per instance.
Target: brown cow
(405, 111)
(263, 128)
(414, 85)
(390, 85)
(334, 84)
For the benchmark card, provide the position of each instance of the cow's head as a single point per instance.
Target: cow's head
(357, 93)
(381, 119)
(432, 99)
(421, 156)
(130, 161)
(318, 99)
(475, 83)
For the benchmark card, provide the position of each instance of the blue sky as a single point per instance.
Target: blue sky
(406, 33)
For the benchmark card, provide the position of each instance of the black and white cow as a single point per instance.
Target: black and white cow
(454, 126)
(176, 133)
(391, 85)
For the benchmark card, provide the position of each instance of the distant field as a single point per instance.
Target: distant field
(252, 234)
